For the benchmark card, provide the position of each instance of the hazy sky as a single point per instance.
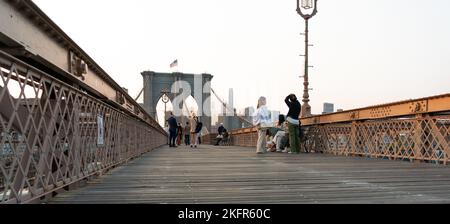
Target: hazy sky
(365, 52)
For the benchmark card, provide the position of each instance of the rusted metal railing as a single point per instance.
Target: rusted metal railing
(414, 130)
(54, 135)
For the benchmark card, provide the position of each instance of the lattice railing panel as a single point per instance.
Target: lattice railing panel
(424, 138)
(53, 135)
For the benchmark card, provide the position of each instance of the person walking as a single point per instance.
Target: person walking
(179, 134)
(293, 122)
(172, 130)
(198, 132)
(187, 131)
(193, 120)
(261, 120)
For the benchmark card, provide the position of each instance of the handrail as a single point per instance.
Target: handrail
(426, 105)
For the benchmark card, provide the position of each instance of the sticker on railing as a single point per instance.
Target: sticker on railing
(100, 131)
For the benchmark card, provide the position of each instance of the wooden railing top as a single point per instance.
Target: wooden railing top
(433, 104)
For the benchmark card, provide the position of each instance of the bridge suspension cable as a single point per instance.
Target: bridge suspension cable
(139, 95)
(230, 109)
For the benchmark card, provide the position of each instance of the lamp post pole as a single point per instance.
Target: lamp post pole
(165, 100)
(306, 5)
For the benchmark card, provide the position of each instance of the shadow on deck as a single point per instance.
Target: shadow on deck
(237, 175)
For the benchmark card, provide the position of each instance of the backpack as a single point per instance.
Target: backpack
(199, 127)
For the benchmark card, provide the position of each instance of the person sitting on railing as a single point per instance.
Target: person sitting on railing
(285, 144)
(220, 136)
(270, 144)
(280, 137)
(261, 120)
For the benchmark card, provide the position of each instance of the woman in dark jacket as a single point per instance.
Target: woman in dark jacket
(293, 122)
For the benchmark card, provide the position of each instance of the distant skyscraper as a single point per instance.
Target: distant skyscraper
(230, 102)
(274, 115)
(248, 116)
(328, 108)
(249, 111)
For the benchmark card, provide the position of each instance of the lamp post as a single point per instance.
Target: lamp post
(165, 100)
(306, 6)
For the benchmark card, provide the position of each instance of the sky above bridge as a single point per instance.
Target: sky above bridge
(365, 52)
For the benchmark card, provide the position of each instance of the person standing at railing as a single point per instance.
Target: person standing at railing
(193, 120)
(179, 134)
(261, 120)
(172, 121)
(187, 136)
(293, 122)
(199, 131)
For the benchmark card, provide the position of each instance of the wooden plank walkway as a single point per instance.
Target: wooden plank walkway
(237, 175)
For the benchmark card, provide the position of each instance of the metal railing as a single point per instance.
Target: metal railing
(54, 135)
(420, 138)
(413, 130)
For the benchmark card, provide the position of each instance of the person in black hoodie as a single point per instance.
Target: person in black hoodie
(172, 130)
(198, 132)
(293, 122)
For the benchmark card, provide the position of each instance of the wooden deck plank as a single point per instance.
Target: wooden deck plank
(237, 175)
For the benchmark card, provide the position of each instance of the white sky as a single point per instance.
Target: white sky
(365, 52)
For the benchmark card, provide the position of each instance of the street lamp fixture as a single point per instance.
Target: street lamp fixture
(165, 100)
(307, 6)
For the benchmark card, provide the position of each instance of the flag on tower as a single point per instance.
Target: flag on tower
(174, 64)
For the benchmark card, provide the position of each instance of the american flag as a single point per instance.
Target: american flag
(174, 64)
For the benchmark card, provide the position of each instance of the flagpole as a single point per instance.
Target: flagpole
(174, 64)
